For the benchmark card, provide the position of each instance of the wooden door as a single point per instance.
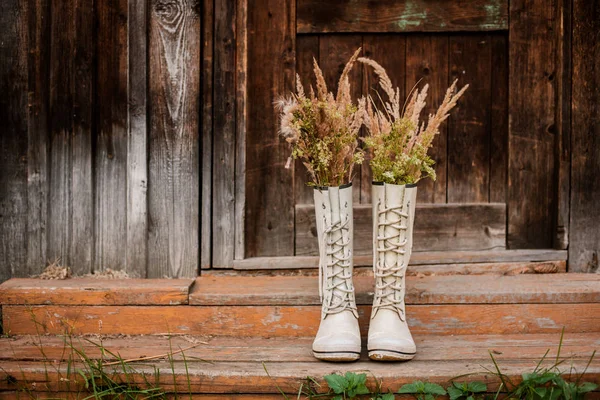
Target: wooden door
(496, 186)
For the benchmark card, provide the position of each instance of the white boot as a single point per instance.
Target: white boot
(338, 338)
(393, 217)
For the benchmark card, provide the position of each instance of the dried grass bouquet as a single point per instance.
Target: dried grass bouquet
(323, 129)
(398, 140)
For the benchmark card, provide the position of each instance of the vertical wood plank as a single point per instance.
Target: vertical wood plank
(112, 139)
(499, 119)
(37, 146)
(334, 53)
(137, 140)
(532, 99)
(224, 92)
(241, 125)
(70, 235)
(469, 124)
(307, 48)
(174, 178)
(563, 117)
(271, 66)
(584, 243)
(13, 138)
(207, 134)
(427, 62)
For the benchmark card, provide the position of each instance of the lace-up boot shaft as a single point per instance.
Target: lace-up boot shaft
(338, 338)
(393, 217)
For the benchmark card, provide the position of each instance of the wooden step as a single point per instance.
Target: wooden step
(237, 365)
(253, 349)
(289, 307)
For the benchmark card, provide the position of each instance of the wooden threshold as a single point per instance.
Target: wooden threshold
(417, 258)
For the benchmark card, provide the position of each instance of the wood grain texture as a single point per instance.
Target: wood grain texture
(174, 173)
(137, 140)
(584, 243)
(437, 227)
(334, 53)
(417, 258)
(206, 141)
(13, 138)
(427, 63)
(389, 51)
(241, 116)
(307, 49)
(251, 377)
(390, 16)
(94, 291)
(295, 321)
(498, 115)
(269, 227)
(532, 105)
(450, 289)
(469, 124)
(563, 118)
(111, 149)
(233, 349)
(224, 139)
(37, 135)
(71, 231)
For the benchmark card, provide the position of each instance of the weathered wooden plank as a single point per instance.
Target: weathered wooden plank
(95, 291)
(173, 195)
(307, 48)
(417, 258)
(258, 377)
(469, 125)
(334, 53)
(224, 125)
(137, 141)
(584, 243)
(390, 52)
(70, 235)
(391, 16)
(111, 162)
(207, 134)
(427, 63)
(532, 105)
(231, 349)
(563, 118)
(269, 229)
(499, 119)
(449, 289)
(37, 146)
(241, 116)
(13, 139)
(437, 227)
(64, 395)
(295, 321)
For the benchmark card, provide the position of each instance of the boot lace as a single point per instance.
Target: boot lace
(388, 291)
(338, 295)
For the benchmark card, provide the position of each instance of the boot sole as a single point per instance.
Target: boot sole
(390, 355)
(336, 356)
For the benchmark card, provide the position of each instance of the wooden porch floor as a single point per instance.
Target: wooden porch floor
(245, 334)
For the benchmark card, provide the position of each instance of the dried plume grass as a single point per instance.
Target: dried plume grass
(398, 139)
(323, 129)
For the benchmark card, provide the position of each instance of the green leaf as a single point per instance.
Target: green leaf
(434, 388)
(387, 396)
(454, 393)
(429, 396)
(409, 388)
(337, 383)
(587, 387)
(477, 387)
(420, 386)
(540, 391)
(470, 398)
(362, 389)
(338, 397)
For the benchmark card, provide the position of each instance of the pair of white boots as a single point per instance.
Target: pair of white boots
(389, 338)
